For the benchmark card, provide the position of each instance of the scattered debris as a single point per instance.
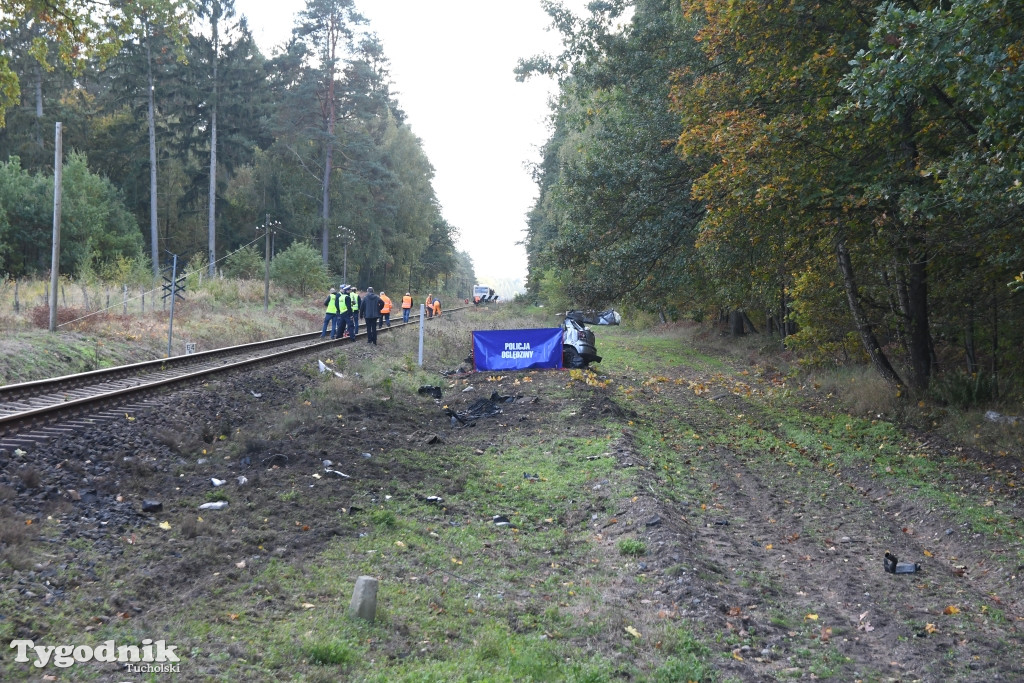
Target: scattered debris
(501, 520)
(434, 499)
(255, 394)
(993, 416)
(531, 477)
(482, 407)
(337, 473)
(461, 370)
(429, 390)
(217, 482)
(323, 368)
(276, 459)
(653, 521)
(894, 566)
(367, 456)
(469, 388)
(242, 480)
(609, 317)
(328, 463)
(218, 505)
(424, 437)
(152, 506)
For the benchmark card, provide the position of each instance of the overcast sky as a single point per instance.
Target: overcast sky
(452, 65)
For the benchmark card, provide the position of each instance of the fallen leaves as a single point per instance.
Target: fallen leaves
(951, 610)
(166, 526)
(633, 632)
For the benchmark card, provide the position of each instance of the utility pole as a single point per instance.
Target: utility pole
(268, 230)
(174, 293)
(58, 182)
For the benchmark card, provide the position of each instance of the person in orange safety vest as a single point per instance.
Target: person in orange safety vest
(385, 311)
(406, 307)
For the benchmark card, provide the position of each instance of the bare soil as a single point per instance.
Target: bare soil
(776, 565)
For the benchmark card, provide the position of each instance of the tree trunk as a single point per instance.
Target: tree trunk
(736, 323)
(783, 325)
(329, 142)
(920, 335)
(39, 105)
(151, 116)
(916, 261)
(995, 344)
(864, 328)
(749, 323)
(969, 351)
(211, 220)
(896, 288)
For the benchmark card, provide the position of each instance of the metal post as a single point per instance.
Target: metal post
(174, 282)
(58, 175)
(423, 317)
(266, 274)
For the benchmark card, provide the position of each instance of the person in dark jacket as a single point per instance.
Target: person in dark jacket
(357, 307)
(349, 303)
(370, 308)
(345, 326)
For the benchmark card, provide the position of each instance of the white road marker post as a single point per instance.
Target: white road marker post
(423, 316)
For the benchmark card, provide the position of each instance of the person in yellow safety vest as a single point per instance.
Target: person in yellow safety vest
(331, 314)
(430, 305)
(406, 307)
(437, 307)
(385, 311)
(347, 325)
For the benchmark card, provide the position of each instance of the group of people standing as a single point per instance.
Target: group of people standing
(344, 308)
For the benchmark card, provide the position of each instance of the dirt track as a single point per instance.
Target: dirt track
(791, 553)
(766, 544)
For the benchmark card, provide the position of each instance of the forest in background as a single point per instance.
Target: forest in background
(309, 143)
(847, 176)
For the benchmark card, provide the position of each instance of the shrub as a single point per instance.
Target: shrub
(246, 264)
(962, 389)
(384, 518)
(299, 269)
(632, 547)
(334, 652)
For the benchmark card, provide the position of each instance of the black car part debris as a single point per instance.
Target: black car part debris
(894, 566)
(482, 407)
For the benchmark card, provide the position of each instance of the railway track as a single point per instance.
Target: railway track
(40, 411)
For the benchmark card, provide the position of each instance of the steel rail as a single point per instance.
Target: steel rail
(65, 407)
